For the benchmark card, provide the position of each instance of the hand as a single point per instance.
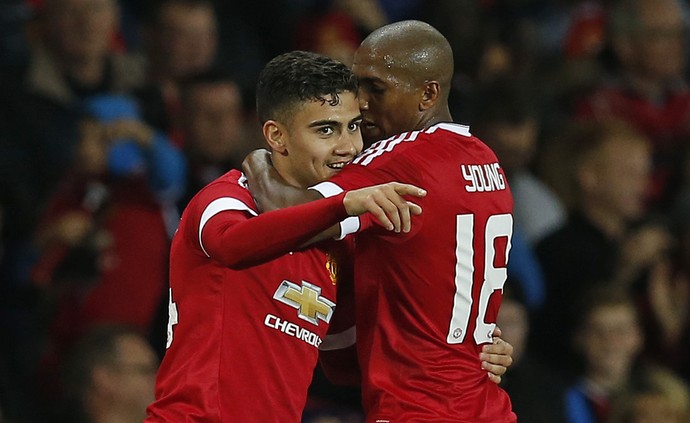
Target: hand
(497, 357)
(256, 161)
(645, 246)
(669, 298)
(130, 129)
(386, 203)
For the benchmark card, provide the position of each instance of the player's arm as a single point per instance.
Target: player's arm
(271, 192)
(269, 189)
(497, 357)
(237, 242)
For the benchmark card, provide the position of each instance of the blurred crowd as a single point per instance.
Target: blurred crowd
(114, 113)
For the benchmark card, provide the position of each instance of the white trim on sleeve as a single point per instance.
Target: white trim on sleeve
(217, 206)
(327, 189)
(349, 226)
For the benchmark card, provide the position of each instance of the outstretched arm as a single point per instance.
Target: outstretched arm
(238, 243)
(272, 192)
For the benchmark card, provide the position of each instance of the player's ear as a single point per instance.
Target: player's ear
(430, 95)
(275, 135)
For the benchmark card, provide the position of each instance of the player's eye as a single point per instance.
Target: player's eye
(325, 130)
(374, 89)
(354, 126)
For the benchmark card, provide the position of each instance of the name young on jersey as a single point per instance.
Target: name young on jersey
(483, 177)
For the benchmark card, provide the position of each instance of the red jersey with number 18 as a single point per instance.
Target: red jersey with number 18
(426, 301)
(246, 318)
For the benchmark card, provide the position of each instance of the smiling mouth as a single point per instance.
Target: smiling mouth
(337, 165)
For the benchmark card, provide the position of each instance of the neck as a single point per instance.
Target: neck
(437, 116)
(281, 165)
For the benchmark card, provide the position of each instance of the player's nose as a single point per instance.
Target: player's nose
(363, 100)
(349, 145)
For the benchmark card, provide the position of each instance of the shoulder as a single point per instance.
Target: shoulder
(389, 148)
(229, 189)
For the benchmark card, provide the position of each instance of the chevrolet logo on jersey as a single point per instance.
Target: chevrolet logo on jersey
(307, 299)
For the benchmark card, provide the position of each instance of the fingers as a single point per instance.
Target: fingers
(494, 378)
(495, 371)
(496, 358)
(404, 210)
(501, 350)
(386, 203)
(499, 362)
(389, 210)
(399, 211)
(407, 189)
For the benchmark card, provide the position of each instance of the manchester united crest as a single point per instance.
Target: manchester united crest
(332, 267)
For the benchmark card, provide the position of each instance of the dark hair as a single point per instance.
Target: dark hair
(602, 295)
(213, 76)
(299, 76)
(151, 10)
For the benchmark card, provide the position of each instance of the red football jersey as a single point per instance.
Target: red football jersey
(426, 301)
(243, 341)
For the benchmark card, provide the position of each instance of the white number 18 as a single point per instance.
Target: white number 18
(500, 225)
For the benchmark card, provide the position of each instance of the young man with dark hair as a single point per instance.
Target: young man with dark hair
(249, 308)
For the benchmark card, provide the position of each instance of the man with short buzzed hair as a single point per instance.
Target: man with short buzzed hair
(427, 300)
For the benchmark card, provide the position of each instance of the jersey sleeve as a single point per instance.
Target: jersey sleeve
(230, 232)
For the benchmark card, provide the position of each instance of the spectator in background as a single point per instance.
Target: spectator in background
(104, 242)
(666, 307)
(507, 119)
(71, 59)
(536, 391)
(608, 239)
(214, 128)
(659, 397)
(332, 32)
(649, 88)
(109, 377)
(609, 340)
(181, 39)
(74, 57)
